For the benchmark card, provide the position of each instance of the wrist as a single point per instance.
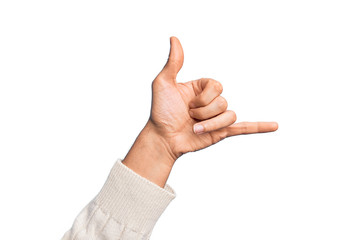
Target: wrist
(150, 156)
(160, 143)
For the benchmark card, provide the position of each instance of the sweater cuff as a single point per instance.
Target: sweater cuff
(132, 199)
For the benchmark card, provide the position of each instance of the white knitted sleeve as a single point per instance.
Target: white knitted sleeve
(127, 207)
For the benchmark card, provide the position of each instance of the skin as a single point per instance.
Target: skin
(185, 117)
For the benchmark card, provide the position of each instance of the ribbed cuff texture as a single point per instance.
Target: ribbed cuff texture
(132, 199)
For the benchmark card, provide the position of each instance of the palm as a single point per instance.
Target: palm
(170, 113)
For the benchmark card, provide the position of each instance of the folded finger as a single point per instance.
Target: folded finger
(217, 106)
(220, 121)
(210, 90)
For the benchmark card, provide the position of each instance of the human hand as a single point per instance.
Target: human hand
(184, 117)
(191, 116)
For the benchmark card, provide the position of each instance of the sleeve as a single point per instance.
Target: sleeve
(127, 207)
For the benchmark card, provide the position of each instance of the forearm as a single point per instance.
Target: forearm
(150, 156)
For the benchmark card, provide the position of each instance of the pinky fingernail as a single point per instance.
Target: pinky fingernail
(198, 128)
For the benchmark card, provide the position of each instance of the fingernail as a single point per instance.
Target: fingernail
(198, 128)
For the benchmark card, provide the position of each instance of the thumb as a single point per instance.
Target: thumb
(174, 62)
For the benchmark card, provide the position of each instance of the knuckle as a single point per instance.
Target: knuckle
(218, 86)
(232, 116)
(244, 127)
(174, 61)
(222, 103)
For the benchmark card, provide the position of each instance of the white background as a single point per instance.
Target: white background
(75, 88)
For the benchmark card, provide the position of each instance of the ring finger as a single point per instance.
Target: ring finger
(222, 120)
(217, 106)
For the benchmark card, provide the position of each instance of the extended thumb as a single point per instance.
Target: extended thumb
(175, 60)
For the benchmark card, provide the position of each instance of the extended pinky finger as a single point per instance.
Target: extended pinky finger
(251, 127)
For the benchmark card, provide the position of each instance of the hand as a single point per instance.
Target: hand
(184, 117)
(191, 116)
